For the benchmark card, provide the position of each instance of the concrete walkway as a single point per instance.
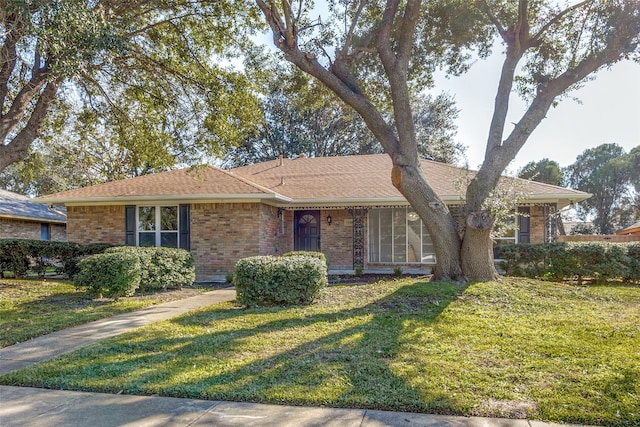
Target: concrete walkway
(67, 340)
(33, 407)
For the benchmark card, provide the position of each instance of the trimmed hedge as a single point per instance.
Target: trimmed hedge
(313, 254)
(287, 280)
(115, 274)
(20, 256)
(599, 261)
(161, 267)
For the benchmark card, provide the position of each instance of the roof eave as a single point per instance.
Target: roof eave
(33, 219)
(562, 199)
(123, 200)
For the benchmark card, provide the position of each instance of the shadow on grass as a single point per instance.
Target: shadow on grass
(342, 357)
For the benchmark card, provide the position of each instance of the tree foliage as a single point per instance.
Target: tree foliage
(607, 172)
(152, 73)
(301, 116)
(545, 170)
(374, 54)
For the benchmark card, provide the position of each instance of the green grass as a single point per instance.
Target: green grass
(30, 308)
(516, 348)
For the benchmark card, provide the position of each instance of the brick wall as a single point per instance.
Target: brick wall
(221, 234)
(59, 232)
(536, 224)
(21, 229)
(96, 224)
(336, 239)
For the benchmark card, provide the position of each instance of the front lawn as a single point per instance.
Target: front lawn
(30, 308)
(516, 348)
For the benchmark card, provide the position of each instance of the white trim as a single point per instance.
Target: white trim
(158, 224)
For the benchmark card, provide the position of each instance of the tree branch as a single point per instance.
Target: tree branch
(492, 18)
(8, 59)
(385, 51)
(18, 148)
(538, 36)
(21, 102)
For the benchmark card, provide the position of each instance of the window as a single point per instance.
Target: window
(508, 232)
(45, 231)
(158, 226)
(397, 235)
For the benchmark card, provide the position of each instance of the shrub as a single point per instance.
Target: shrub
(161, 267)
(14, 257)
(600, 261)
(358, 271)
(114, 274)
(21, 255)
(313, 254)
(633, 252)
(268, 280)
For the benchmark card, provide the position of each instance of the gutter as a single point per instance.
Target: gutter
(123, 200)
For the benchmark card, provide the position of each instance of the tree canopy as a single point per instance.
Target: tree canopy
(374, 54)
(154, 76)
(545, 170)
(608, 173)
(301, 116)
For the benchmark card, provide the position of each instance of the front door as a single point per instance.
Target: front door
(307, 231)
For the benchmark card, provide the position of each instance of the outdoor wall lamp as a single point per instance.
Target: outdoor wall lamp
(329, 219)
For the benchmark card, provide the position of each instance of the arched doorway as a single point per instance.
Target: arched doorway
(307, 231)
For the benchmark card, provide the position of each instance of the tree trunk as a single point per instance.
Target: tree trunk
(17, 148)
(409, 180)
(477, 248)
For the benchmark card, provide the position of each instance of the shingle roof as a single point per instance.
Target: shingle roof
(632, 229)
(205, 181)
(13, 205)
(369, 176)
(326, 180)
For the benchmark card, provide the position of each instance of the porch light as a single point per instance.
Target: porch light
(412, 216)
(329, 219)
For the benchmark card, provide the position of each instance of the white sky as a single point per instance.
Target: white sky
(609, 112)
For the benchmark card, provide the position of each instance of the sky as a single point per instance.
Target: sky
(608, 112)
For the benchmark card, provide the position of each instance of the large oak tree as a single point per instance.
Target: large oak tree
(375, 52)
(154, 75)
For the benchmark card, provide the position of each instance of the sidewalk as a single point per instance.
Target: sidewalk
(33, 407)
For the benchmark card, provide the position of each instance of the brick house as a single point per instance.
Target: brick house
(345, 207)
(22, 218)
(632, 230)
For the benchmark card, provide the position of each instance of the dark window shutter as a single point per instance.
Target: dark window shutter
(185, 220)
(130, 225)
(524, 225)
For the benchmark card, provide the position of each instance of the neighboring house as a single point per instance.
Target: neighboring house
(633, 230)
(345, 207)
(22, 218)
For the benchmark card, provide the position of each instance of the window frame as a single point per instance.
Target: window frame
(158, 231)
(378, 245)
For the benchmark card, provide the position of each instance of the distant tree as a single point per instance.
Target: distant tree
(545, 170)
(607, 173)
(582, 228)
